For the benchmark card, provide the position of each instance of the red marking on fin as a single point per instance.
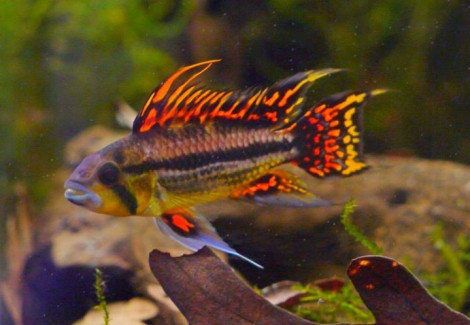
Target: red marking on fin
(193, 231)
(180, 221)
(272, 182)
(271, 100)
(150, 121)
(331, 135)
(279, 187)
(179, 100)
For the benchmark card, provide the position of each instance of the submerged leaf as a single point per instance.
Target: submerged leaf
(208, 292)
(333, 284)
(282, 293)
(395, 296)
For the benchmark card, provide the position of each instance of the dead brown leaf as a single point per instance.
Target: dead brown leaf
(207, 291)
(282, 294)
(333, 284)
(395, 296)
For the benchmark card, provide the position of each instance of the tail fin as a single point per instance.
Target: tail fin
(329, 134)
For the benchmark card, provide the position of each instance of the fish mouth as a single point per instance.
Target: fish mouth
(80, 195)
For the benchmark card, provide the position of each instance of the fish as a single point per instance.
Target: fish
(191, 144)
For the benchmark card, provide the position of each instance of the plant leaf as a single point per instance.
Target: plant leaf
(282, 293)
(207, 291)
(395, 296)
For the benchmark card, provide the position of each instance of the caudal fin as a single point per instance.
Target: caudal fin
(329, 135)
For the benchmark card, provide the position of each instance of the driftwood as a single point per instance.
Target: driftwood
(208, 292)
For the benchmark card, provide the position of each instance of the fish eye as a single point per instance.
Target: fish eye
(108, 174)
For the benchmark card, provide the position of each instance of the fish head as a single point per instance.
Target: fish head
(99, 184)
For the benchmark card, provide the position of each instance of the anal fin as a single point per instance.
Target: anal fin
(279, 187)
(194, 232)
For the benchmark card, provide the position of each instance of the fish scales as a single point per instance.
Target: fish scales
(197, 159)
(191, 144)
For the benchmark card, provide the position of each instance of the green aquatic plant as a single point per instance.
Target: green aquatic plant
(100, 297)
(81, 43)
(343, 305)
(355, 232)
(451, 284)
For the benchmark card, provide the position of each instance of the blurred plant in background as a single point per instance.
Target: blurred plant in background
(65, 63)
(419, 49)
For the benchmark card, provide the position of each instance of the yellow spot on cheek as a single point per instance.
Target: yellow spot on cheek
(143, 188)
(111, 203)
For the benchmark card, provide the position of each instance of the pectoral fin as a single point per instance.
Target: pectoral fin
(194, 232)
(279, 187)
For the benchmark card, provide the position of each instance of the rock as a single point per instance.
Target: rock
(132, 312)
(400, 201)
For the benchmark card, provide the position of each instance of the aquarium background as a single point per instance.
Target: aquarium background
(65, 64)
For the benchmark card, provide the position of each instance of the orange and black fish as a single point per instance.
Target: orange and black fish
(191, 144)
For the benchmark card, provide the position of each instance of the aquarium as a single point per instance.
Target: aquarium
(207, 162)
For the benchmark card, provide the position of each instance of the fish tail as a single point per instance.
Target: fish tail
(329, 135)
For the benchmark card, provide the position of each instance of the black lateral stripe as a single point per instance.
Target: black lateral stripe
(197, 160)
(126, 197)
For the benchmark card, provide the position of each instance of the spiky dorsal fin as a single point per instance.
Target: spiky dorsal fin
(180, 99)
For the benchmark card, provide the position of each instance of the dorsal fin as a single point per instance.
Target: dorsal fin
(180, 100)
